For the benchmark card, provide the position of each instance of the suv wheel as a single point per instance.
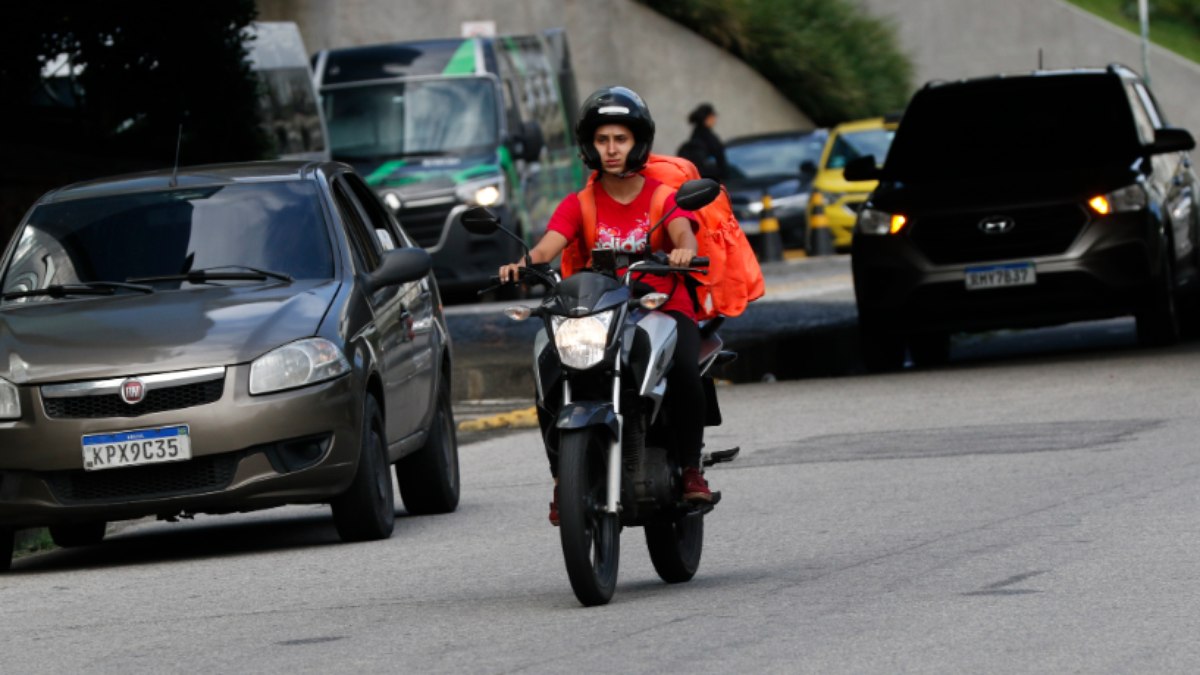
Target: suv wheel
(882, 349)
(1158, 323)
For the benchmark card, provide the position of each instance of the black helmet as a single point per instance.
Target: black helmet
(615, 105)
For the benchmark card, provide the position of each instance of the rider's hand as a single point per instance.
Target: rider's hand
(511, 272)
(682, 257)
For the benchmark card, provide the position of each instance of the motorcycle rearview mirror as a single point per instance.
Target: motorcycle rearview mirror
(479, 220)
(696, 194)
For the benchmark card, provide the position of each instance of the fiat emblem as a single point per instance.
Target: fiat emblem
(997, 225)
(133, 391)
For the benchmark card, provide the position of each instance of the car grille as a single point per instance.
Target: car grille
(425, 224)
(203, 474)
(157, 400)
(956, 238)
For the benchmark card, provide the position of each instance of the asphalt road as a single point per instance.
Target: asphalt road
(1032, 507)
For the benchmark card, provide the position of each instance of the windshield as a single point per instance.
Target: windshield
(770, 157)
(851, 145)
(451, 116)
(270, 226)
(1014, 128)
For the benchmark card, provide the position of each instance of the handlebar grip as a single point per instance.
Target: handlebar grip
(700, 261)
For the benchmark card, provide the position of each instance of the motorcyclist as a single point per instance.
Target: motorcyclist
(615, 133)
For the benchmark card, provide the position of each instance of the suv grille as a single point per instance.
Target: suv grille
(203, 474)
(157, 400)
(956, 238)
(425, 224)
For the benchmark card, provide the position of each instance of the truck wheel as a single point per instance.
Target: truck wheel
(367, 509)
(429, 478)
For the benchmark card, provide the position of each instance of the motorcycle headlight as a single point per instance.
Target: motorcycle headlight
(581, 341)
(297, 364)
(872, 221)
(486, 192)
(10, 403)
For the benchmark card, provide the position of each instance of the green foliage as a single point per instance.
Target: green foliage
(130, 72)
(1174, 24)
(826, 56)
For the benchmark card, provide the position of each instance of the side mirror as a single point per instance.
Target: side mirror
(696, 194)
(400, 266)
(479, 220)
(529, 142)
(1170, 140)
(862, 168)
(808, 169)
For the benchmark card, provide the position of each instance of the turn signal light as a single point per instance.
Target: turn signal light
(1100, 205)
(898, 223)
(518, 313)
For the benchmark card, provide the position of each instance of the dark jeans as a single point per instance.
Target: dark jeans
(685, 402)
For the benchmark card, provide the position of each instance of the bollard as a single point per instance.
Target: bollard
(772, 241)
(820, 239)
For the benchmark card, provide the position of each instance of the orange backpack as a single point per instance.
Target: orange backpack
(734, 277)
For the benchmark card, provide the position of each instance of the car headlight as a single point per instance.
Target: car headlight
(872, 221)
(581, 341)
(297, 364)
(486, 192)
(10, 402)
(1128, 198)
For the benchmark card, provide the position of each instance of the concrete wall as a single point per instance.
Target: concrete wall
(612, 42)
(952, 39)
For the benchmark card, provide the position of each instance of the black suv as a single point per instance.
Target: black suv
(1019, 201)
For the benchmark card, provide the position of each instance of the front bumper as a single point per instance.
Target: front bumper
(248, 452)
(1107, 271)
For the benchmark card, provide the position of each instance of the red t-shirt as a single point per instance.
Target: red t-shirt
(624, 227)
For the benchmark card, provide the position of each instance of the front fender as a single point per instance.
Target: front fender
(584, 414)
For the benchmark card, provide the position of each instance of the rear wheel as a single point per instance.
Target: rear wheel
(429, 478)
(78, 534)
(590, 536)
(675, 547)
(367, 509)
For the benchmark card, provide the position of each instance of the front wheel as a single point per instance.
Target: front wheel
(675, 547)
(429, 478)
(591, 539)
(367, 509)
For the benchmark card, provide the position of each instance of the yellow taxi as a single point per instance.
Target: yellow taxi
(838, 199)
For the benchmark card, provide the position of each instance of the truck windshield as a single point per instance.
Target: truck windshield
(416, 117)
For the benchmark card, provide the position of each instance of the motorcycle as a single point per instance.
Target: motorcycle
(600, 370)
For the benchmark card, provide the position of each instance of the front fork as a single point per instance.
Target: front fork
(613, 496)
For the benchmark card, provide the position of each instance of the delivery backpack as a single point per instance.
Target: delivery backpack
(734, 277)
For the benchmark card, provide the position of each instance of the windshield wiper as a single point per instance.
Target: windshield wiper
(210, 274)
(83, 288)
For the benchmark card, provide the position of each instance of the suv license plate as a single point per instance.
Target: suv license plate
(1001, 276)
(137, 447)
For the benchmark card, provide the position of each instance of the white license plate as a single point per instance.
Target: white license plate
(1001, 276)
(137, 447)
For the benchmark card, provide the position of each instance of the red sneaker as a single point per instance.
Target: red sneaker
(695, 488)
(554, 508)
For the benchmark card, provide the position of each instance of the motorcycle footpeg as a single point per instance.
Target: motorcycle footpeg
(720, 456)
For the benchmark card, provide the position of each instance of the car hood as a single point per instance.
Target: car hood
(999, 191)
(132, 334)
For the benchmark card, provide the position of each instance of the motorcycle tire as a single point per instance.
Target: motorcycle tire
(591, 538)
(675, 547)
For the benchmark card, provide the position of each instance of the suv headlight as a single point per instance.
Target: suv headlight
(485, 192)
(873, 221)
(10, 402)
(297, 364)
(581, 341)
(1128, 198)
